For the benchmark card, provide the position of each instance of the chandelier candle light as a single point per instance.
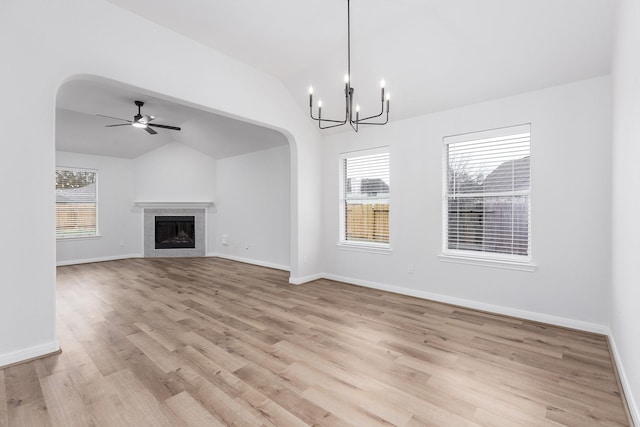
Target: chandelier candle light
(348, 94)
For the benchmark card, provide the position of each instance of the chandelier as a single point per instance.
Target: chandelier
(324, 123)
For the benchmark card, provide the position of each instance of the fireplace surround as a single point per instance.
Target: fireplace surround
(182, 232)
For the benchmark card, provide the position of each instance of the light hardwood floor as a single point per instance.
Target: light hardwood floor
(210, 342)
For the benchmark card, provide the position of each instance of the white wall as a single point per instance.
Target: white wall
(118, 225)
(174, 173)
(47, 42)
(571, 143)
(252, 207)
(625, 288)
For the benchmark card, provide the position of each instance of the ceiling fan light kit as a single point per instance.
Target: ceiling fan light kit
(324, 123)
(140, 121)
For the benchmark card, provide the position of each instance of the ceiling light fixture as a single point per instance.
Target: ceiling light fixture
(348, 92)
(140, 121)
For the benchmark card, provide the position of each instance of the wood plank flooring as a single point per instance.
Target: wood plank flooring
(211, 342)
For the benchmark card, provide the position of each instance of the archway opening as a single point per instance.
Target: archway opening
(242, 169)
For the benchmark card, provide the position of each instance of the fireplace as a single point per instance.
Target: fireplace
(175, 232)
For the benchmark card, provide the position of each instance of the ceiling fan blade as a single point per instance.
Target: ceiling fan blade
(116, 118)
(163, 126)
(139, 120)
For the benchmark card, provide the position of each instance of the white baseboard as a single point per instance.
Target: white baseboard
(250, 261)
(498, 309)
(100, 259)
(29, 353)
(119, 257)
(305, 279)
(626, 388)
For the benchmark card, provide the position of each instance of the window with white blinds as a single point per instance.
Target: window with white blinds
(487, 194)
(76, 202)
(364, 198)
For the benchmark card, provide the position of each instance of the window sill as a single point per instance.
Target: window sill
(64, 239)
(381, 250)
(488, 262)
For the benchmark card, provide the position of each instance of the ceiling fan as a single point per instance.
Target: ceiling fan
(140, 121)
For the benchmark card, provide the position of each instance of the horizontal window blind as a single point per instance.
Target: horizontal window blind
(487, 192)
(76, 201)
(365, 198)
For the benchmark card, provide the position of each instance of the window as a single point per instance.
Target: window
(487, 187)
(364, 198)
(76, 200)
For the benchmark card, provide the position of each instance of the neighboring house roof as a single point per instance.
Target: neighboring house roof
(511, 170)
(86, 194)
(373, 186)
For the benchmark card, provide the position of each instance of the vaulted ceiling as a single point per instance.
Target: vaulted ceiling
(433, 54)
(79, 129)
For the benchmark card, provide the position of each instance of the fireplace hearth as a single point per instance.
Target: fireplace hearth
(175, 232)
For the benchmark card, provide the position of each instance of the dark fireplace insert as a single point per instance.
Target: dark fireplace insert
(175, 232)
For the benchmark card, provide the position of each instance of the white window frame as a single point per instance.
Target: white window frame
(491, 259)
(87, 235)
(371, 246)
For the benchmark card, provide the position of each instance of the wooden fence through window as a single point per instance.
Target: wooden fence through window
(75, 218)
(368, 222)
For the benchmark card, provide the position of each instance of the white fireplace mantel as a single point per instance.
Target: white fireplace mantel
(175, 205)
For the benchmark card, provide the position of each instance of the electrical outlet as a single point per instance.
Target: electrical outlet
(410, 269)
(225, 240)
